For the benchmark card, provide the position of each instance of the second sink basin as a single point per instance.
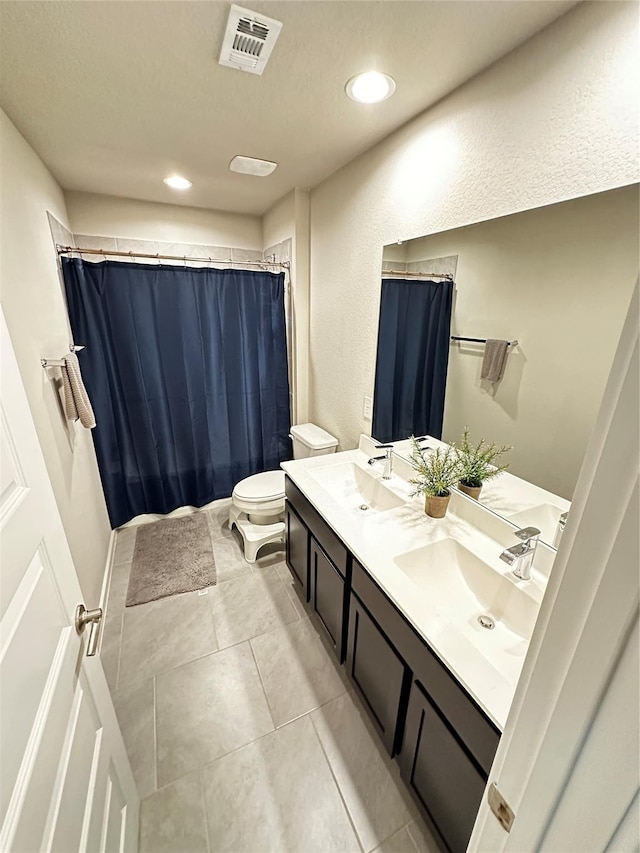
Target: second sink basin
(469, 590)
(545, 517)
(355, 488)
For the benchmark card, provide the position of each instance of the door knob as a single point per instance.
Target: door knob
(83, 618)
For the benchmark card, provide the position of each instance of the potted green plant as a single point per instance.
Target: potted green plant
(476, 463)
(436, 472)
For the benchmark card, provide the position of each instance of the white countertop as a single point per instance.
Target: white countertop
(377, 538)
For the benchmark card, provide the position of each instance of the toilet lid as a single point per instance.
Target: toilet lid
(265, 486)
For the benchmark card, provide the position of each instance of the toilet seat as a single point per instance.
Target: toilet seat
(258, 511)
(261, 494)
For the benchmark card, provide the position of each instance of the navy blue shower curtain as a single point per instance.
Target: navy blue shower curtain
(412, 359)
(186, 369)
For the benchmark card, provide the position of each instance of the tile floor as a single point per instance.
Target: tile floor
(242, 730)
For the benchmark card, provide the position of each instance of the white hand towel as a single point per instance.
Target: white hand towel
(76, 400)
(495, 359)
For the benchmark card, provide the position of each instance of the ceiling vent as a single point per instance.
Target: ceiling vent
(248, 40)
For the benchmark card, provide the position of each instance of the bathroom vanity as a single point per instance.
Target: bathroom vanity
(396, 594)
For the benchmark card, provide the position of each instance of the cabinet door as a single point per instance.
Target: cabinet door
(327, 595)
(297, 550)
(377, 670)
(441, 772)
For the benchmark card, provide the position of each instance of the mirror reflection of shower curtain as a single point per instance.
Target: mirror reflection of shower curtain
(412, 359)
(187, 371)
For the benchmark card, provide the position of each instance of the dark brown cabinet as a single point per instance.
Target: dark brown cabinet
(443, 740)
(297, 549)
(327, 592)
(378, 672)
(441, 772)
(319, 561)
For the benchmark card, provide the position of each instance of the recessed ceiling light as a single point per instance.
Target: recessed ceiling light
(370, 87)
(176, 182)
(252, 166)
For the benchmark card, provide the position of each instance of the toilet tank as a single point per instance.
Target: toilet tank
(311, 440)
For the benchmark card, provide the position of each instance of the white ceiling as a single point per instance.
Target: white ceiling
(116, 95)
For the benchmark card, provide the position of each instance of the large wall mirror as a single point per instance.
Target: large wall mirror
(557, 281)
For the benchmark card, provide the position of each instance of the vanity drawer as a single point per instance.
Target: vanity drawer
(297, 549)
(319, 528)
(470, 723)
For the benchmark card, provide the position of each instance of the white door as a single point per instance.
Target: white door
(65, 780)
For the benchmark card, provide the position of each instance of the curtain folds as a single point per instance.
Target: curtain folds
(187, 372)
(412, 358)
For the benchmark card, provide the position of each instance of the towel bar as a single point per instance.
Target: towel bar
(480, 340)
(59, 362)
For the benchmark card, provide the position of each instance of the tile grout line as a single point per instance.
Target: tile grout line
(203, 767)
(311, 710)
(207, 654)
(168, 669)
(324, 649)
(280, 623)
(410, 834)
(337, 784)
(213, 622)
(404, 826)
(173, 668)
(289, 599)
(203, 799)
(264, 691)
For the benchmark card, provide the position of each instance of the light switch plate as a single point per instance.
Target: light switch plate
(367, 408)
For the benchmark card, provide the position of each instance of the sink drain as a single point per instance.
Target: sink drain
(486, 622)
(363, 507)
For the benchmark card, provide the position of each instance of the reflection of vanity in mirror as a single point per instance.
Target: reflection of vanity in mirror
(556, 281)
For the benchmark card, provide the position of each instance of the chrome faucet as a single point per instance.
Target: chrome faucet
(521, 556)
(388, 460)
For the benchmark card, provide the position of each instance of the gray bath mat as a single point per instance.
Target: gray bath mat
(170, 557)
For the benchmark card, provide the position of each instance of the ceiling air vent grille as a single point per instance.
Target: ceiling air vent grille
(248, 40)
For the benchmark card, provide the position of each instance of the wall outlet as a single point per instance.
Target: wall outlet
(367, 408)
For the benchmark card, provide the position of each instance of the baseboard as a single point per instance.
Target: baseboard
(106, 582)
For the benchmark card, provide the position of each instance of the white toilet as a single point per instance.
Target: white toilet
(258, 501)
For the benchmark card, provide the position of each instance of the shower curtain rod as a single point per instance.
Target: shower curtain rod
(68, 250)
(405, 274)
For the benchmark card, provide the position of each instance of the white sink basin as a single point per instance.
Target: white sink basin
(467, 589)
(544, 517)
(355, 488)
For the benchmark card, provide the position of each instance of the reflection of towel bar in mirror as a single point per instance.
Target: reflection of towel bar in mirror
(59, 362)
(480, 340)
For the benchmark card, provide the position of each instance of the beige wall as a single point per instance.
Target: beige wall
(555, 119)
(37, 320)
(559, 280)
(279, 222)
(168, 223)
(289, 218)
